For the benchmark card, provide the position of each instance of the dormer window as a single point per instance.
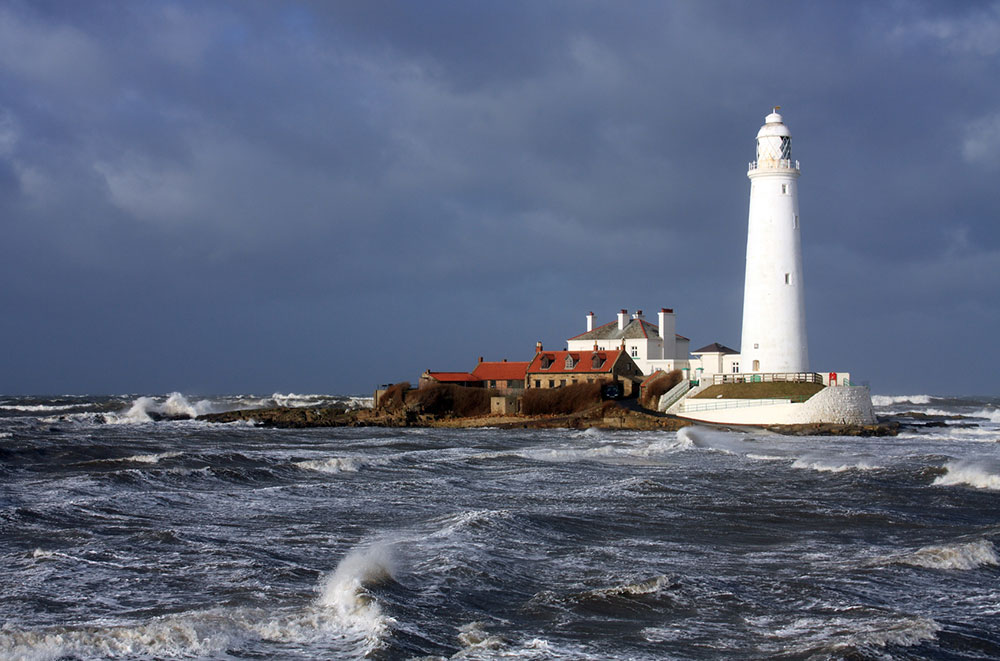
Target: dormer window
(570, 362)
(596, 361)
(546, 362)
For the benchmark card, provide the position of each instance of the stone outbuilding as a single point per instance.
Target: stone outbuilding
(503, 376)
(453, 378)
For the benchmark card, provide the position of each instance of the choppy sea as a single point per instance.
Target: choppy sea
(125, 536)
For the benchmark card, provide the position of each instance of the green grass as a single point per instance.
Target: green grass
(794, 391)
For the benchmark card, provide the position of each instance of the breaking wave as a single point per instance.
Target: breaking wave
(971, 473)
(992, 414)
(346, 592)
(969, 555)
(41, 408)
(294, 400)
(859, 629)
(889, 400)
(334, 465)
(832, 465)
(602, 598)
(345, 612)
(139, 458)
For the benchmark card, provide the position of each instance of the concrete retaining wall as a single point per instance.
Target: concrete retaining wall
(850, 405)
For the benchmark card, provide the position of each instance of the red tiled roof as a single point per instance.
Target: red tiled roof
(451, 377)
(502, 371)
(583, 362)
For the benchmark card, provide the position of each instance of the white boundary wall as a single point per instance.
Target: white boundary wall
(850, 405)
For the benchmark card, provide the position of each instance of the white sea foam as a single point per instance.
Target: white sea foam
(765, 457)
(991, 414)
(889, 400)
(175, 405)
(6, 434)
(822, 635)
(39, 408)
(836, 465)
(710, 439)
(470, 518)
(968, 555)
(978, 474)
(293, 400)
(345, 613)
(206, 633)
(332, 465)
(474, 639)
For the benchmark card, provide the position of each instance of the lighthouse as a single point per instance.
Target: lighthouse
(774, 320)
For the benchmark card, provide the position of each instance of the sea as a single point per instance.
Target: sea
(126, 533)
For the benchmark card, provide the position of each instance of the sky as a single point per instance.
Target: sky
(313, 197)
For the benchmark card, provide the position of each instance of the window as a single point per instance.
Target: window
(784, 189)
(736, 368)
(788, 278)
(635, 351)
(546, 362)
(552, 383)
(493, 384)
(795, 222)
(562, 382)
(756, 346)
(756, 366)
(570, 363)
(538, 383)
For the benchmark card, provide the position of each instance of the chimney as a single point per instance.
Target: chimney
(637, 315)
(505, 360)
(538, 346)
(480, 359)
(590, 321)
(622, 318)
(668, 332)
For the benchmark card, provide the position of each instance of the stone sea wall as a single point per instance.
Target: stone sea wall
(849, 405)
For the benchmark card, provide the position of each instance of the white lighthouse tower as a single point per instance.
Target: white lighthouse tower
(774, 319)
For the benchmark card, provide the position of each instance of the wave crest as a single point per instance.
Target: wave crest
(889, 400)
(971, 473)
(345, 591)
(832, 465)
(969, 555)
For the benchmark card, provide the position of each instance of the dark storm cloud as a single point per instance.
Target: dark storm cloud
(321, 196)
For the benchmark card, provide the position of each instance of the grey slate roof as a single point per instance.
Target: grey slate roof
(715, 347)
(635, 329)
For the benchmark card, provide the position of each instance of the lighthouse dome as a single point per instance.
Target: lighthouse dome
(774, 143)
(773, 126)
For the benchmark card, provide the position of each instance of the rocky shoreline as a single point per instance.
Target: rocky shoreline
(610, 415)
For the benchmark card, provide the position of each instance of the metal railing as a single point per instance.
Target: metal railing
(689, 407)
(773, 164)
(668, 398)
(768, 377)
